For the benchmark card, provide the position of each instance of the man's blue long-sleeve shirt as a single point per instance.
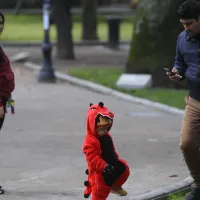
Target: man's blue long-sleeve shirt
(187, 62)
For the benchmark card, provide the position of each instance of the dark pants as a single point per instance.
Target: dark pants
(190, 138)
(4, 101)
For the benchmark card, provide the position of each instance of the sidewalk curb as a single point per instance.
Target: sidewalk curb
(163, 192)
(157, 194)
(108, 91)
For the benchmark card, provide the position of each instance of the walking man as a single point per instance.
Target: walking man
(187, 66)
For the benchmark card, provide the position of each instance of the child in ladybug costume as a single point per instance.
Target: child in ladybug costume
(107, 172)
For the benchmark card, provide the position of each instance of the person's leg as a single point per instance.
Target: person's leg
(4, 101)
(1, 122)
(190, 143)
(100, 190)
(120, 180)
(124, 176)
(96, 196)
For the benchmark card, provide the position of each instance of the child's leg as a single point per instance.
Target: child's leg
(100, 190)
(123, 177)
(116, 187)
(99, 197)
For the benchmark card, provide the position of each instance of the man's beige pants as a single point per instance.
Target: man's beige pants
(190, 138)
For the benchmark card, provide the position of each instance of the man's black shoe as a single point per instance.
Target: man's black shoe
(194, 194)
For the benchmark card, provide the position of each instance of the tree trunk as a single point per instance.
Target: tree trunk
(106, 2)
(89, 20)
(153, 45)
(62, 18)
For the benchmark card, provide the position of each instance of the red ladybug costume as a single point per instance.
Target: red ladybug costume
(107, 172)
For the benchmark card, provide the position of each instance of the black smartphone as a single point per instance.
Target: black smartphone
(170, 72)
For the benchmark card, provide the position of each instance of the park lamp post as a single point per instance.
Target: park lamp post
(46, 73)
(2, 19)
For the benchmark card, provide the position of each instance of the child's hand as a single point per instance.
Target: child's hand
(108, 174)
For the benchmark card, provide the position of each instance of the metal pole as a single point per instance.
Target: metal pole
(46, 73)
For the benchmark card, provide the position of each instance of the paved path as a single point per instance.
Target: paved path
(86, 56)
(108, 10)
(40, 146)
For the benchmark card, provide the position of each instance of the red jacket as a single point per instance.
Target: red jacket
(7, 83)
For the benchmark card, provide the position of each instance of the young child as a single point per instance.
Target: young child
(107, 172)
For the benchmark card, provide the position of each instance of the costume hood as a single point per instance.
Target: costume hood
(98, 115)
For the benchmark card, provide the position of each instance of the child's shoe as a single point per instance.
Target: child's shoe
(118, 191)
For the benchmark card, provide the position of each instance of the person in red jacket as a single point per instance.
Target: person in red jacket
(7, 83)
(107, 172)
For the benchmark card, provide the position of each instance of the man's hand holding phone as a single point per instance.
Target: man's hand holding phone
(173, 74)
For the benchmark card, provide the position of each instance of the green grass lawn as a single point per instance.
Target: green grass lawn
(108, 77)
(30, 28)
(179, 196)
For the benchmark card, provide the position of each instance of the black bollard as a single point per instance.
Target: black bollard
(46, 73)
(113, 31)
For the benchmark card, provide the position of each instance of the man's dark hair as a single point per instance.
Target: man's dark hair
(190, 9)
